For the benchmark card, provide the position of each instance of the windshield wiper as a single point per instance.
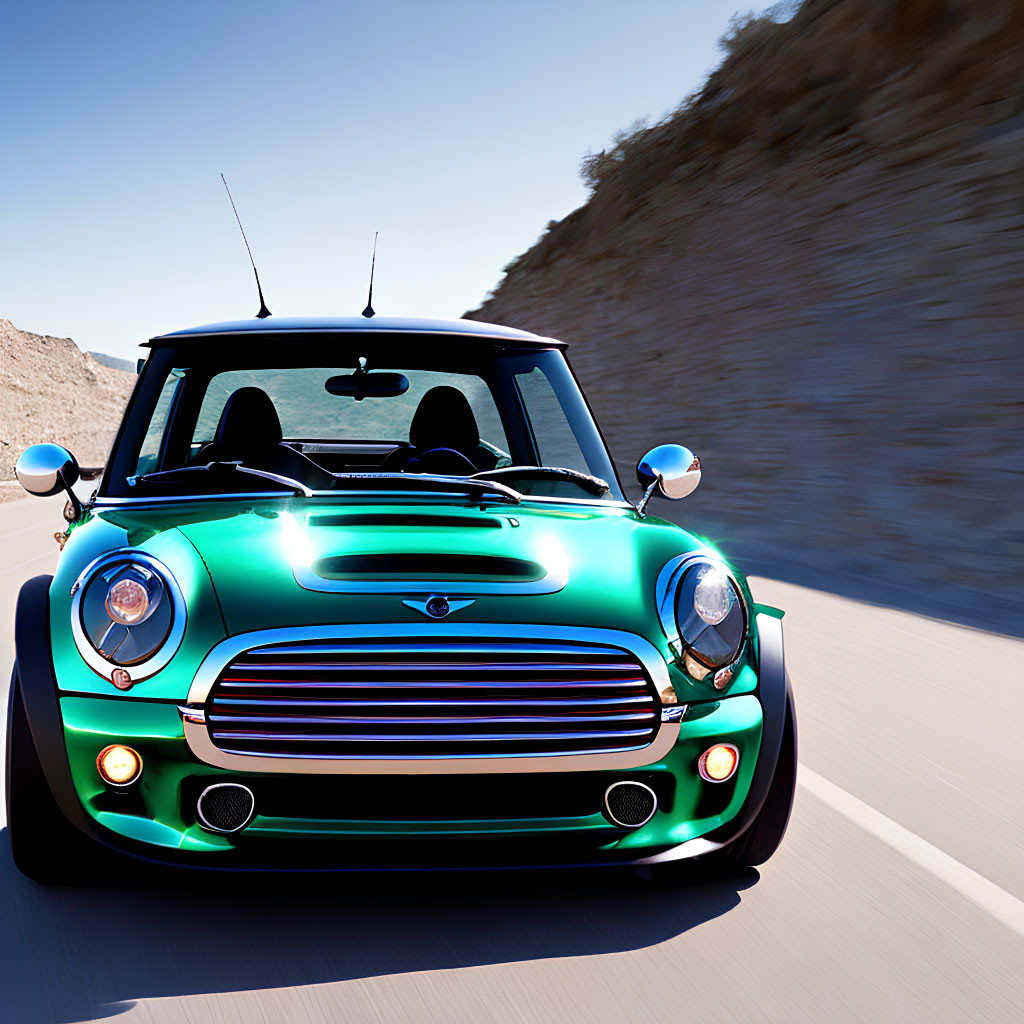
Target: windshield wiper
(354, 481)
(593, 484)
(428, 482)
(277, 478)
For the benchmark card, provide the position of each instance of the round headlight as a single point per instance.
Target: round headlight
(710, 616)
(123, 611)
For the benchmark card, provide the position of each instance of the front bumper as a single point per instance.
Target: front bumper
(416, 820)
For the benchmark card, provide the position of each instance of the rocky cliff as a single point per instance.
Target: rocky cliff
(52, 391)
(812, 273)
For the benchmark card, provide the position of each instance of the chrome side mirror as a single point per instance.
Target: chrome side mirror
(46, 469)
(670, 469)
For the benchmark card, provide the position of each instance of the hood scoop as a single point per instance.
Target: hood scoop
(419, 567)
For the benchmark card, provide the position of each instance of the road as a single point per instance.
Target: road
(898, 894)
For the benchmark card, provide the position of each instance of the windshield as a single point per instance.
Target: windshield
(375, 416)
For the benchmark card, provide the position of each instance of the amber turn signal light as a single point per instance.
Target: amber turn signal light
(119, 765)
(718, 763)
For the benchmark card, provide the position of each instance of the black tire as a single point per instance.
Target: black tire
(765, 833)
(45, 846)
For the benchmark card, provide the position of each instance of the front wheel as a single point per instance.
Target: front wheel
(765, 833)
(45, 846)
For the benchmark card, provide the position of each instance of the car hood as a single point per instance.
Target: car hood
(298, 563)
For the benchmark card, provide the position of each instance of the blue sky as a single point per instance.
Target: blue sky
(454, 128)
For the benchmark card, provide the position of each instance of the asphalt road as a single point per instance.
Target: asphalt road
(898, 894)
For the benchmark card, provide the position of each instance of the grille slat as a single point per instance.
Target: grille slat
(569, 668)
(420, 720)
(429, 700)
(243, 683)
(425, 737)
(438, 702)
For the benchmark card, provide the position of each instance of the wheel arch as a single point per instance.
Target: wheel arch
(775, 694)
(37, 685)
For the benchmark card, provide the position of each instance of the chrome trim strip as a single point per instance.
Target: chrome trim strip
(198, 738)
(427, 761)
(424, 646)
(665, 589)
(629, 782)
(202, 746)
(164, 653)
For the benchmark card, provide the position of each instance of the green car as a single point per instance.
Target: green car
(364, 594)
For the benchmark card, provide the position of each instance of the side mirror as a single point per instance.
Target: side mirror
(670, 469)
(46, 469)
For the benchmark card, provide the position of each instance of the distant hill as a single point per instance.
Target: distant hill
(114, 362)
(813, 274)
(52, 391)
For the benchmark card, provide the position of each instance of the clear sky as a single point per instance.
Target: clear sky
(455, 128)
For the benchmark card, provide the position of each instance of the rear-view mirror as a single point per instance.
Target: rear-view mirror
(368, 384)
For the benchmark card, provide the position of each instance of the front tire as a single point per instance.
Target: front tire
(45, 846)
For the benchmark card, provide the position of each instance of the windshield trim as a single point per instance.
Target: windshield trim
(347, 496)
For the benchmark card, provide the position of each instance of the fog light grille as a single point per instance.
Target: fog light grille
(225, 807)
(630, 804)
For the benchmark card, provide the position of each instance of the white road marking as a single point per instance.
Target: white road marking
(1000, 904)
(28, 561)
(31, 528)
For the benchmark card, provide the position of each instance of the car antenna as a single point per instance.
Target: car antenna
(368, 312)
(264, 312)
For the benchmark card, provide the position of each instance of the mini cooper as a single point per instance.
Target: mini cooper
(367, 594)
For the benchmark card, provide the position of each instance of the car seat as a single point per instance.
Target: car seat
(443, 438)
(249, 431)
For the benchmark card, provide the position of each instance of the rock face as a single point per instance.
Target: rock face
(52, 391)
(813, 275)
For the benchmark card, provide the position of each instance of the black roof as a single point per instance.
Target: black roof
(275, 326)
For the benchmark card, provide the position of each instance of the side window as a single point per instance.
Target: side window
(555, 440)
(149, 454)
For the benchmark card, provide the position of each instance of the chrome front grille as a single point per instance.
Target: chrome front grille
(424, 700)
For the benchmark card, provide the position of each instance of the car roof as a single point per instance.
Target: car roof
(274, 326)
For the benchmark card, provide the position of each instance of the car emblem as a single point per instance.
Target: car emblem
(437, 606)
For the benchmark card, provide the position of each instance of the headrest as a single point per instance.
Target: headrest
(248, 423)
(444, 419)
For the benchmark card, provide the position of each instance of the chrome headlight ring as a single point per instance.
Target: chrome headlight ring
(163, 653)
(670, 579)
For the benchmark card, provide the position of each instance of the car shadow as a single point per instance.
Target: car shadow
(78, 952)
